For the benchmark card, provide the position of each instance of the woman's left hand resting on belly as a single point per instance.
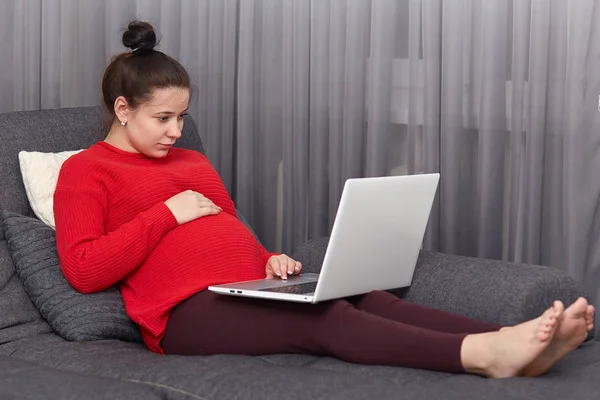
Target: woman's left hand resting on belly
(281, 266)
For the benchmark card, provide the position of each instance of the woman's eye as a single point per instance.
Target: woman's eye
(182, 115)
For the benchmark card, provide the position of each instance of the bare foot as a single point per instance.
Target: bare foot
(504, 354)
(573, 326)
(589, 318)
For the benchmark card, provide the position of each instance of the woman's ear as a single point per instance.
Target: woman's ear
(121, 109)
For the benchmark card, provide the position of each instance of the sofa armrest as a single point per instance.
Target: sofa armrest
(488, 290)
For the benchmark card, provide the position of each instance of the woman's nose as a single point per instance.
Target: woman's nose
(174, 132)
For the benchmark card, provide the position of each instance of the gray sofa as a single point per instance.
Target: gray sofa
(37, 363)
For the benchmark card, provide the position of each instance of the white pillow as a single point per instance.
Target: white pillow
(40, 174)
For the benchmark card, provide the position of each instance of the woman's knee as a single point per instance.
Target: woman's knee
(374, 300)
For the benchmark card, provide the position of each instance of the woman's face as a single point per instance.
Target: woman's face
(153, 127)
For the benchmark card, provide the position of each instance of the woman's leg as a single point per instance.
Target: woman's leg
(208, 323)
(388, 306)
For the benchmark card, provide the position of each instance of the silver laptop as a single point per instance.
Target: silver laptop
(374, 244)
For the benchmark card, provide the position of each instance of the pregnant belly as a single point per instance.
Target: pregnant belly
(210, 250)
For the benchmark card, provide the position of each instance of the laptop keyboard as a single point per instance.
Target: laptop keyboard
(300, 288)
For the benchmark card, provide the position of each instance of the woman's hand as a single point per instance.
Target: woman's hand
(282, 266)
(189, 205)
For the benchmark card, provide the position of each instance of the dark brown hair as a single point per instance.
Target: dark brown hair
(134, 75)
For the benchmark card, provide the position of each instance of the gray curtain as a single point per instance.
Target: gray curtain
(519, 123)
(501, 97)
(54, 53)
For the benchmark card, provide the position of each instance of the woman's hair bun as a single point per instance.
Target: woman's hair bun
(139, 36)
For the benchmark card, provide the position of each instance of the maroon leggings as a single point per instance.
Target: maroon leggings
(376, 328)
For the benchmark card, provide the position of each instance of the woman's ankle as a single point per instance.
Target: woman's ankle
(475, 354)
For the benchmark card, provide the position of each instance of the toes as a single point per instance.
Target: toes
(553, 315)
(546, 328)
(548, 323)
(544, 336)
(552, 311)
(582, 303)
(589, 314)
(558, 308)
(578, 308)
(549, 317)
(558, 305)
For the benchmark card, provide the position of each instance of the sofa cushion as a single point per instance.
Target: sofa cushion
(18, 317)
(40, 175)
(75, 316)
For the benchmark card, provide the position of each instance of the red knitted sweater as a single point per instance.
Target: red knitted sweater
(112, 226)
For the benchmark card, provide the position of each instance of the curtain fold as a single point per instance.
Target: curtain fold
(58, 50)
(580, 193)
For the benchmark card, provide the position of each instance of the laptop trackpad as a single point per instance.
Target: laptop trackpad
(263, 284)
(306, 288)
